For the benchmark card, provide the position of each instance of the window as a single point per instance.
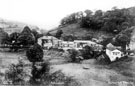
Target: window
(116, 53)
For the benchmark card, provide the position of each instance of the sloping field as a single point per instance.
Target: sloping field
(81, 32)
(12, 26)
(87, 73)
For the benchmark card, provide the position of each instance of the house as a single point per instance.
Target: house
(52, 42)
(47, 41)
(66, 45)
(79, 44)
(114, 52)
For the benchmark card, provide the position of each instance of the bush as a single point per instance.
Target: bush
(40, 73)
(19, 74)
(16, 74)
(73, 55)
(87, 52)
(59, 79)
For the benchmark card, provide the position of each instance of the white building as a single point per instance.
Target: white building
(65, 45)
(47, 41)
(52, 42)
(113, 52)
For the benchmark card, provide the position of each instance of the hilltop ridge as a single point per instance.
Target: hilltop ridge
(13, 26)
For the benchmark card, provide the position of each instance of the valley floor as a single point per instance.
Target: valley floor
(88, 72)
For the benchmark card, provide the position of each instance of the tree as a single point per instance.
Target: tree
(79, 15)
(5, 39)
(122, 40)
(40, 73)
(124, 37)
(26, 30)
(124, 25)
(35, 53)
(98, 13)
(26, 37)
(59, 33)
(13, 37)
(3, 36)
(112, 21)
(68, 37)
(13, 41)
(73, 55)
(72, 18)
(48, 34)
(36, 35)
(87, 52)
(88, 13)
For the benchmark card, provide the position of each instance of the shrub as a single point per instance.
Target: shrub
(73, 55)
(40, 73)
(16, 74)
(59, 79)
(87, 52)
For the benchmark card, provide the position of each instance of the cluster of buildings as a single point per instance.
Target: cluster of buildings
(112, 51)
(48, 42)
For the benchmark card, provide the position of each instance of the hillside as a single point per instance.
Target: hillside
(12, 26)
(77, 31)
(132, 10)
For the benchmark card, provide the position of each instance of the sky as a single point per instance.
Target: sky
(46, 14)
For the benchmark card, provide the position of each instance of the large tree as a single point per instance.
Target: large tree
(39, 71)
(13, 37)
(3, 36)
(26, 37)
(124, 37)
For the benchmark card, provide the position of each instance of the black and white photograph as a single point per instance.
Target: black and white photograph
(67, 42)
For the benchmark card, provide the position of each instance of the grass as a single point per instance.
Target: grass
(81, 32)
(124, 68)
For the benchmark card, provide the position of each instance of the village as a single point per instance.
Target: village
(85, 48)
(113, 52)
(60, 53)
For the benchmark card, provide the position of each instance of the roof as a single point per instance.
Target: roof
(111, 47)
(48, 37)
(84, 41)
(67, 42)
(116, 50)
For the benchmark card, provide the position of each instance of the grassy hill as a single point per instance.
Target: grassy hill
(76, 30)
(132, 10)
